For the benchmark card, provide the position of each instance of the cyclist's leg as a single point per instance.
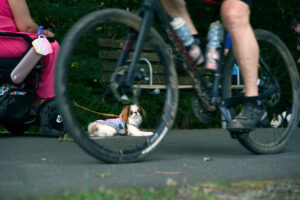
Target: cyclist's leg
(177, 8)
(235, 16)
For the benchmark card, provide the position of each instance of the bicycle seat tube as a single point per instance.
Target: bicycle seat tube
(146, 13)
(214, 93)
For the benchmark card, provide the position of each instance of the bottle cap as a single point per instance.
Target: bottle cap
(40, 32)
(177, 22)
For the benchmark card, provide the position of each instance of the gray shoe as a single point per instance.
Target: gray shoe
(249, 117)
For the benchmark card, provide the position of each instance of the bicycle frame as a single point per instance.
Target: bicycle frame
(147, 11)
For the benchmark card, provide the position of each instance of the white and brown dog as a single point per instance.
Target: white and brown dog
(127, 124)
(278, 120)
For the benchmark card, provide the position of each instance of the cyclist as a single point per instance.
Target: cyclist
(295, 26)
(235, 16)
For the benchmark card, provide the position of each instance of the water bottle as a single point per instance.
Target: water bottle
(26, 65)
(188, 40)
(215, 37)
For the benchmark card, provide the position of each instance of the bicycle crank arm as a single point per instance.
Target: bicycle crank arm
(226, 113)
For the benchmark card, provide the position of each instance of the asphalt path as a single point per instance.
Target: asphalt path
(33, 166)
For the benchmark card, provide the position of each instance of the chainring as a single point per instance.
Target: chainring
(122, 94)
(200, 112)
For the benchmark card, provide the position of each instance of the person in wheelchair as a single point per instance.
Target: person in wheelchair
(15, 18)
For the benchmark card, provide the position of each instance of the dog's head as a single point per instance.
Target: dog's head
(276, 121)
(133, 115)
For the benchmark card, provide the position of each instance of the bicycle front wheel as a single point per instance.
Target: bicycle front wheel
(86, 70)
(278, 74)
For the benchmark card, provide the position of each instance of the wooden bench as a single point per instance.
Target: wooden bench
(109, 53)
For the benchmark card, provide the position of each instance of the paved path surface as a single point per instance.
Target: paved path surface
(32, 166)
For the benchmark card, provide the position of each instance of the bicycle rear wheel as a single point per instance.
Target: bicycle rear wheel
(85, 68)
(273, 134)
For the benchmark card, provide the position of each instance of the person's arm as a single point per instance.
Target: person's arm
(23, 18)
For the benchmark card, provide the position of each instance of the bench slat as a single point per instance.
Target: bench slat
(109, 66)
(118, 44)
(157, 80)
(152, 87)
(115, 54)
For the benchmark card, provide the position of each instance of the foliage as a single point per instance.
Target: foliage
(263, 189)
(60, 15)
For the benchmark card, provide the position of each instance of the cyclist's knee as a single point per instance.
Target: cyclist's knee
(235, 13)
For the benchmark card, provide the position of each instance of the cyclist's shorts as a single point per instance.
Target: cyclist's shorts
(217, 3)
(249, 2)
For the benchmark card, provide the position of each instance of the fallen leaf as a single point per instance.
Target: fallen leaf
(207, 159)
(168, 173)
(103, 175)
(170, 182)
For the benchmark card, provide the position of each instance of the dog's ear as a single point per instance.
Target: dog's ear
(94, 127)
(124, 114)
(142, 111)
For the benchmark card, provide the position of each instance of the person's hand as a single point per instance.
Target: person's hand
(48, 33)
(298, 61)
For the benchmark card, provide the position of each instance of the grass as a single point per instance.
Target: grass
(256, 190)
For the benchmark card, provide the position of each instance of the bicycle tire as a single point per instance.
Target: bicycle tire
(84, 26)
(279, 59)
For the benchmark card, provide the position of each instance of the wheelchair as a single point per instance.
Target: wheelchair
(16, 101)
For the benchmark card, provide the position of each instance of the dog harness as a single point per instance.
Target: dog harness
(116, 123)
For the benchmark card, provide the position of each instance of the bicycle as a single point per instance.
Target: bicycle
(74, 73)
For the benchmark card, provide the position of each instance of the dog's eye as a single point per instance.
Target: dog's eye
(133, 112)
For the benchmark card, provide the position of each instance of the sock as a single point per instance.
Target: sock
(196, 36)
(253, 100)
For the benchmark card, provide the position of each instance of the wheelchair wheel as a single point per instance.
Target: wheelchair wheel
(15, 111)
(278, 86)
(87, 84)
(50, 120)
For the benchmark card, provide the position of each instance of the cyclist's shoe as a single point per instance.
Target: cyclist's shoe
(249, 117)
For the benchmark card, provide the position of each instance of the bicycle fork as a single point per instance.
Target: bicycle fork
(124, 84)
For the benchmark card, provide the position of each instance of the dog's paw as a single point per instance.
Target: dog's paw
(148, 133)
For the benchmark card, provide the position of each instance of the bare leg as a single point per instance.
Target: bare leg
(177, 8)
(235, 16)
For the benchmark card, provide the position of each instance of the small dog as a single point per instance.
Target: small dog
(127, 124)
(279, 119)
